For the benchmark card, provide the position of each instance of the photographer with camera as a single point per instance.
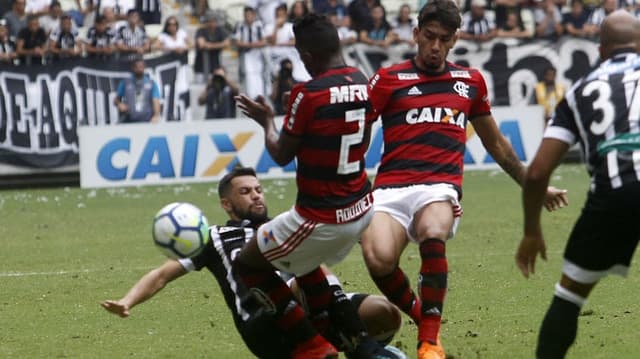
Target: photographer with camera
(282, 84)
(218, 96)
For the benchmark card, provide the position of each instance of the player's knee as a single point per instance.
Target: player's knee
(382, 318)
(379, 263)
(432, 232)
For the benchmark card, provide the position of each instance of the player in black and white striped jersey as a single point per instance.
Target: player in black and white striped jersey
(601, 112)
(242, 198)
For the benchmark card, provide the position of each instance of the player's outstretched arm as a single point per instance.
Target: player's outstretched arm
(281, 146)
(501, 150)
(534, 192)
(150, 284)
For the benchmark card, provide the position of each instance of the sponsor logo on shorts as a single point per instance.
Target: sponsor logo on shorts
(268, 236)
(355, 210)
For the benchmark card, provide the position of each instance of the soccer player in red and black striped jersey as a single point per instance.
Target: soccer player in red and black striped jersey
(425, 105)
(327, 131)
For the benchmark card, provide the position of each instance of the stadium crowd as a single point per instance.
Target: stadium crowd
(39, 32)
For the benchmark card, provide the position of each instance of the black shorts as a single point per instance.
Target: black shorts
(605, 236)
(266, 340)
(332, 334)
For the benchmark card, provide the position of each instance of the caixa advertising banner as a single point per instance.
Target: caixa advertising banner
(203, 151)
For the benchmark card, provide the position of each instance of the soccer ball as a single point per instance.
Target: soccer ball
(180, 230)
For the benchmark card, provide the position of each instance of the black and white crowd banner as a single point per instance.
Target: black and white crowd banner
(41, 107)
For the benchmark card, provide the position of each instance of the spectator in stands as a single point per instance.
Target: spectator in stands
(320, 6)
(37, 7)
(379, 33)
(150, 11)
(475, 24)
(218, 97)
(282, 84)
(548, 20)
(111, 19)
(250, 40)
(598, 15)
(78, 13)
(279, 36)
(51, 20)
(281, 40)
(575, 21)
(31, 43)
(138, 97)
(335, 7)
(5, 6)
(502, 9)
(513, 27)
(298, 10)
(7, 46)
(173, 39)
(548, 92)
(132, 40)
(211, 39)
(120, 8)
(16, 18)
(360, 13)
(379, 36)
(347, 35)
(265, 9)
(100, 41)
(403, 26)
(64, 42)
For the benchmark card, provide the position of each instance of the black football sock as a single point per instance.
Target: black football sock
(560, 325)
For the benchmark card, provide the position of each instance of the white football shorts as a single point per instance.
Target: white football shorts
(297, 245)
(402, 203)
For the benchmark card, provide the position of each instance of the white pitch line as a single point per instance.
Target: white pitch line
(63, 272)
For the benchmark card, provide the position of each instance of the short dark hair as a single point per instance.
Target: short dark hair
(446, 12)
(224, 186)
(99, 19)
(317, 35)
(131, 12)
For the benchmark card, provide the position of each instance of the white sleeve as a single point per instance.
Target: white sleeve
(187, 264)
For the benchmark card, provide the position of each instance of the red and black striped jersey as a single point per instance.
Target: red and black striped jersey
(424, 118)
(329, 114)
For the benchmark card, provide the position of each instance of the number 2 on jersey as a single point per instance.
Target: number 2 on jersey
(344, 166)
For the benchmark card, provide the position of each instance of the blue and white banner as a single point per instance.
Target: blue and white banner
(204, 151)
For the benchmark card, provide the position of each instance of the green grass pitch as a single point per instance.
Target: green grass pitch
(65, 250)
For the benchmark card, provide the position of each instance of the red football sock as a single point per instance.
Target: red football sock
(396, 288)
(433, 287)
